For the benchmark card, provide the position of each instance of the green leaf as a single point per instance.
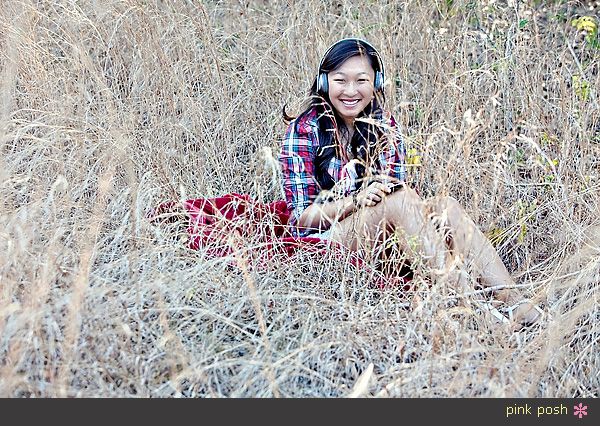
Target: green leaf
(522, 23)
(522, 233)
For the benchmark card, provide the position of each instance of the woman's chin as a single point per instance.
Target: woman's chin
(347, 116)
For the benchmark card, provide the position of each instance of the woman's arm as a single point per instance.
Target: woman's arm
(297, 165)
(321, 216)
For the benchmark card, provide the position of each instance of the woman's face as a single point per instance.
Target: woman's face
(351, 87)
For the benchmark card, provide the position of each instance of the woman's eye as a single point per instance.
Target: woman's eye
(338, 80)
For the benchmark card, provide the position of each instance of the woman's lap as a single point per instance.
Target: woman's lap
(365, 228)
(359, 230)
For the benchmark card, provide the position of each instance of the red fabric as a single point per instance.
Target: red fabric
(213, 221)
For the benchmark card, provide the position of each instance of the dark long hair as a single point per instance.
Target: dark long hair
(367, 135)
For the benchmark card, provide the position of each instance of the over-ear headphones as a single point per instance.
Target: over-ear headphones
(322, 82)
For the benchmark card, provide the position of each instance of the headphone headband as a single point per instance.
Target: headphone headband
(360, 40)
(322, 83)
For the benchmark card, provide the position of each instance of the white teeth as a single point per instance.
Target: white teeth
(354, 102)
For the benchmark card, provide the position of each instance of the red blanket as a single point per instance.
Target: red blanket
(219, 224)
(213, 220)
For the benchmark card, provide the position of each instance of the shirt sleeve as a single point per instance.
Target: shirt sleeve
(394, 157)
(297, 156)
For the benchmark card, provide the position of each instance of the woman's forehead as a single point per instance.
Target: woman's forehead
(358, 64)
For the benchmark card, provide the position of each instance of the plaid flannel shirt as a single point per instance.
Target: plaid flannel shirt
(298, 151)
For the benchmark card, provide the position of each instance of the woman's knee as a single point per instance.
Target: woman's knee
(404, 199)
(447, 207)
(440, 203)
(402, 205)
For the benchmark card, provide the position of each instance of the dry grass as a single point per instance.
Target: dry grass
(108, 108)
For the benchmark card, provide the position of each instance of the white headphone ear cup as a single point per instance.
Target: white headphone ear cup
(378, 80)
(323, 84)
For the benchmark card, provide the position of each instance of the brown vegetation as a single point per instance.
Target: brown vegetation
(108, 108)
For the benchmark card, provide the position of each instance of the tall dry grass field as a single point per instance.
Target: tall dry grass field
(108, 108)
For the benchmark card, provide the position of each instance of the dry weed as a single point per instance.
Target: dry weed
(109, 108)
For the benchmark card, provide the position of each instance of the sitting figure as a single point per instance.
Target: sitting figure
(343, 165)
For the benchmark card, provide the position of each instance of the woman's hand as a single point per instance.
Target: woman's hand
(372, 195)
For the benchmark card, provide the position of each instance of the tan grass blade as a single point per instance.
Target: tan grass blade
(362, 383)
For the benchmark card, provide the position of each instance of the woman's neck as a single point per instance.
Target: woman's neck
(349, 125)
(347, 131)
(345, 136)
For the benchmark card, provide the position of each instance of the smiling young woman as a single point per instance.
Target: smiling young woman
(342, 159)
(351, 88)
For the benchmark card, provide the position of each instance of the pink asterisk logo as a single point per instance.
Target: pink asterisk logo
(580, 410)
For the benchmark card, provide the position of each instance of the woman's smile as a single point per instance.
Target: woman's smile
(350, 103)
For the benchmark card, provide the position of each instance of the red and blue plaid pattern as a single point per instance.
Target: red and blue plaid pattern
(298, 151)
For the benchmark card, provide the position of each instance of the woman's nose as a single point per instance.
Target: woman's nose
(350, 88)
